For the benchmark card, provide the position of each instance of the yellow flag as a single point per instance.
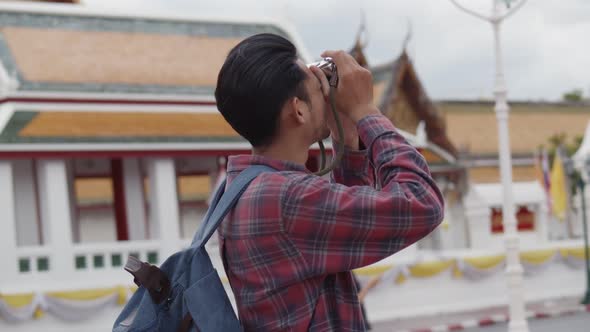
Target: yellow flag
(558, 188)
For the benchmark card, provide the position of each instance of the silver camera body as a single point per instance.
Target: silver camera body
(328, 66)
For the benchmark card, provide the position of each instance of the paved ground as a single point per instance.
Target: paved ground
(572, 323)
(536, 325)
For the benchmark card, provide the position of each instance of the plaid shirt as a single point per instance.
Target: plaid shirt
(293, 238)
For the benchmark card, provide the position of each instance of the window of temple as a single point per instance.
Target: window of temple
(98, 201)
(94, 208)
(524, 216)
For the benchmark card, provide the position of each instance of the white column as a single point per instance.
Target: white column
(164, 218)
(514, 270)
(578, 204)
(56, 216)
(460, 233)
(480, 229)
(478, 219)
(217, 178)
(217, 175)
(71, 176)
(541, 226)
(27, 216)
(581, 217)
(458, 226)
(134, 199)
(579, 225)
(7, 226)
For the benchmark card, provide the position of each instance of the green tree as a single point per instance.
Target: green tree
(561, 139)
(575, 95)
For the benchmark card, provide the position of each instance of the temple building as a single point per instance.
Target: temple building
(108, 134)
(462, 152)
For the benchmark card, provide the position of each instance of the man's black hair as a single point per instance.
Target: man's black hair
(259, 75)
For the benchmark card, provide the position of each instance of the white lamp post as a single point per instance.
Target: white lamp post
(514, 271)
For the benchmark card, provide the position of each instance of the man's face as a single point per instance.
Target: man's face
(317, 104)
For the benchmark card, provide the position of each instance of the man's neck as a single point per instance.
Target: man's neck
(286, 152)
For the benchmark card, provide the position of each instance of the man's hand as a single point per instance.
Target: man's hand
(351, 138)
(354, 93)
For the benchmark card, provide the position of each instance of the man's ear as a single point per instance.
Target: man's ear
(296, 110)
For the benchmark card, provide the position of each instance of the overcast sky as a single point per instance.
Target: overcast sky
(546, 44)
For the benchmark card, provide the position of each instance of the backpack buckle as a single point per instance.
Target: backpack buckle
(150, 277)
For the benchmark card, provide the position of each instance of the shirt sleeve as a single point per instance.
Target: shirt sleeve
(339, 228)
(354, 168)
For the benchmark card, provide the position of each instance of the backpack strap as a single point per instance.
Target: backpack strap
(223, 201)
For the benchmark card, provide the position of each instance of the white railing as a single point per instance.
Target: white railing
(36, 260)
(84, 265)
(112, 256)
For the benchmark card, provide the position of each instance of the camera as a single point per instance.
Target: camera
(328, 66)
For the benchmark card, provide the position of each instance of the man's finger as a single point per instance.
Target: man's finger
(322, 78)
(337, 56)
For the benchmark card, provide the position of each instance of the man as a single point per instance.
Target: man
(293, 238)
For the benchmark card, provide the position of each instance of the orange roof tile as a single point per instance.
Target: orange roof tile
(70, 56)
(102, 124)
(474, 125)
